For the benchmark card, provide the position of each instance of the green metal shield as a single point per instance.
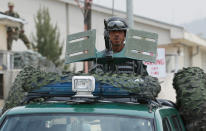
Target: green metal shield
(81, 46)
(140, 45)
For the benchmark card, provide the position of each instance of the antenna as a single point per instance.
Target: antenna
(112, 7)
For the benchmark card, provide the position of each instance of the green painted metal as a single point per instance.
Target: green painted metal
(96, 108)
(167, 112)
(140, 45)
(81, 46)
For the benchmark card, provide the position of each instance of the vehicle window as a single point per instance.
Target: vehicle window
(166, 124)
(176, 123)
(76, 123)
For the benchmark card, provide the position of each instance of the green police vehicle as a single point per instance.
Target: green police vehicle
(92, 114)
(93, 102)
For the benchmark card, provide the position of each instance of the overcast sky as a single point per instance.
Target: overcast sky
(171, 11)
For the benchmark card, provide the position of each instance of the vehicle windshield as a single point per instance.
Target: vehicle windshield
(83, 122)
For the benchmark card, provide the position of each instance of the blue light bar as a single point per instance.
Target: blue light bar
(65, 89)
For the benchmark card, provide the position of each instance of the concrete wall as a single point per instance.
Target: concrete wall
(203, 55)
(163, 34)
(3, 37)
(167, 90)
(9, 77)
(184, 56)
(187, 56)
(198, 57)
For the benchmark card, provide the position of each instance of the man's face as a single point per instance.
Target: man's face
(11, 8)
(117, 37)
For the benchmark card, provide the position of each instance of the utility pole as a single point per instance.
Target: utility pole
(87, 14)
(87, 25)
(130, 13)
(112, 7)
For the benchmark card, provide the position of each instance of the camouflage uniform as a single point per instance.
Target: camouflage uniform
(13, 33)
(129, 67)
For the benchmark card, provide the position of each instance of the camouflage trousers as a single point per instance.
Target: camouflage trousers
(21, 35)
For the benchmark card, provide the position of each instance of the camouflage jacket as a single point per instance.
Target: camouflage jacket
(13, 14)
(128, 67)
(16, 15)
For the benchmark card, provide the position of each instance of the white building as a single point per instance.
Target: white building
(182, 48)
(7, 75)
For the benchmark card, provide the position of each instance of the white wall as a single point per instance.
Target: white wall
(98, 24)
(167, 90)
(76, 23)
(163, 34)
(203, 62)
(197, 58)
(3, 38)
(187, 56)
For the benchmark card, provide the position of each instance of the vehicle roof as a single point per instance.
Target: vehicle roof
(140, 110)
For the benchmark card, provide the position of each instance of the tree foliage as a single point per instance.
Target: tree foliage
(47, 38)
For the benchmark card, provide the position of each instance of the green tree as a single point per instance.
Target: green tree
(47, 38)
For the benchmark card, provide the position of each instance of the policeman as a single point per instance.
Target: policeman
(13, 33)
(114, 35)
